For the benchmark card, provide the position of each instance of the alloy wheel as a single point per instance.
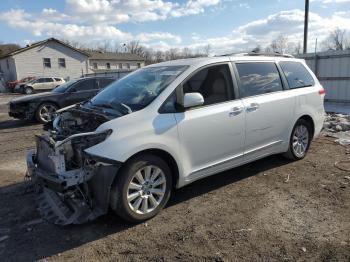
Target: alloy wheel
(300, 140)
(146, 189)
(46, 112)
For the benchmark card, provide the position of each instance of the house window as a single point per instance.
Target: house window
(47, 62)
(108, 65)
(120, 66)
(139, 65)
(94, 65)
(128, 65)
(61, 62)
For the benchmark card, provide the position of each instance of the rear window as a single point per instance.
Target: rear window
(258, 78)
(296, 74)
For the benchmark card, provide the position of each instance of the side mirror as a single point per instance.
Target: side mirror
(192, 100)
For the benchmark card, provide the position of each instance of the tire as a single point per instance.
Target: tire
(135, 210)
(28, 90)
(299, 144)
(44, 112)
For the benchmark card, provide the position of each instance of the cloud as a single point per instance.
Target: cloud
(121, 11)
(151, 37)
(42, 26)
(331, 1)
(91, 21)
(263, 31)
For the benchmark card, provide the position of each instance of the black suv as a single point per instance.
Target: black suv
(41, 106)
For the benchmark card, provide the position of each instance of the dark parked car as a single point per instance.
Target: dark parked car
(41, 106)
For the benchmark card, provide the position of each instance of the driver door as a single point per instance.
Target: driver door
(81, 91)
(211, 135)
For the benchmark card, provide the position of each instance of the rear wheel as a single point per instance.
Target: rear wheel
(45, 112)
(300, 140)
(142, 188)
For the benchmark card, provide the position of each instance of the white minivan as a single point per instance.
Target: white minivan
(169, 124)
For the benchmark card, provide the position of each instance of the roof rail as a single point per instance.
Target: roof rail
(260, 54)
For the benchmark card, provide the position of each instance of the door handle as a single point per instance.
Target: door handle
(253, 107)
(235, 111)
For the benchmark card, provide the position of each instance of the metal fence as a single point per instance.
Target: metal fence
(332, 68)
(117, 74)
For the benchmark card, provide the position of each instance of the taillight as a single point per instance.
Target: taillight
(322, 91)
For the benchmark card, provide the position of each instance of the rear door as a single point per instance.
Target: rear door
(211, 135)
(48, 83)
(268, 108)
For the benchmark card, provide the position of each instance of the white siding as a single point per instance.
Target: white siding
(7, 66)
(30, 62)
(102, 64)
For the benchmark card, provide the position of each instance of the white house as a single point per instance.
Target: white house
(54, 58)
(105, 61)
(50, 57)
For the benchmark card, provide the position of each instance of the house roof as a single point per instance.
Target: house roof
(96, 55)
(41, 43)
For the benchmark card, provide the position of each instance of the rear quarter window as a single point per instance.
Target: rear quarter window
(297, 75)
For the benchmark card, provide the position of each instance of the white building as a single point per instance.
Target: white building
(54, 58)
(105, 61)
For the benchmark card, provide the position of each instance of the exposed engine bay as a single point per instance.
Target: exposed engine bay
(73, 185)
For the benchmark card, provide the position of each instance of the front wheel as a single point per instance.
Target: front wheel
(300, 140)
(45, 112)
(142, 188)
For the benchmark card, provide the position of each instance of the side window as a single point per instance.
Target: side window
(47, 62)
(102, 83)
(258, 78)
(214, 83)
(169, 105)
(48, 80)
(61, 62)
(41, 80)
(88, 84)
(58, 79)
(296, 74)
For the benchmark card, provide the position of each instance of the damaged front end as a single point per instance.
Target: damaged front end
(74, 186)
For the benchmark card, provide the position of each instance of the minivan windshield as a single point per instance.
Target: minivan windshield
(64, 87)
(137, 90)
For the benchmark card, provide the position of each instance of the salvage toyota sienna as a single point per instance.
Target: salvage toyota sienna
(167, 125)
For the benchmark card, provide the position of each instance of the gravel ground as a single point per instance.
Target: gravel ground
(270, 210)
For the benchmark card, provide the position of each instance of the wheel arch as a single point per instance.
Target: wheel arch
(166, 156)
(310, 120)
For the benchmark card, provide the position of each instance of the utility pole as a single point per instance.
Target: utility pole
(306, 25)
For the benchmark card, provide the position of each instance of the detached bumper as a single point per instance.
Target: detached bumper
(77, 204)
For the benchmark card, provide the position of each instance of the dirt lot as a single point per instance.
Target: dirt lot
(271, 210)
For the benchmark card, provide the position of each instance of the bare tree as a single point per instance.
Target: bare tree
(335, 40)
(297, 48)
(279, 44)
(8, 48)
(206, 50)
(134, 47)
(159, 56)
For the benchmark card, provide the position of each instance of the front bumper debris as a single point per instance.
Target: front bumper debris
(69, 196)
